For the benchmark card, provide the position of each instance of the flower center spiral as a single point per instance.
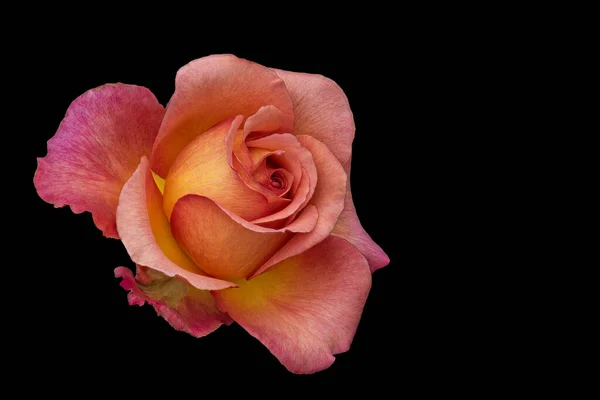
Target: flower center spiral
(277, 180)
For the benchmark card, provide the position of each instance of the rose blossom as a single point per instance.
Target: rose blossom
(234, 202)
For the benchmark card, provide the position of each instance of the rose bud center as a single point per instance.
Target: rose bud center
(277, 180)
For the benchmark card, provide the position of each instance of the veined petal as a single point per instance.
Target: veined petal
(305, 309)
(321, 110)
(97, 147)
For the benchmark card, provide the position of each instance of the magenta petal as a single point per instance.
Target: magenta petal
(97, 147)
(183, 306)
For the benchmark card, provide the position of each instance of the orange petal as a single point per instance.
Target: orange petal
(224, 245)
(139, 215)
(161, 229)
(305, 309)
(202, 169)
(210, 89)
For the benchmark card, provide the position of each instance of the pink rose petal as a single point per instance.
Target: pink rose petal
(97, 147)
(328, 198)
(321, 110)
(349, 227)
(299, 162)
(305, 309)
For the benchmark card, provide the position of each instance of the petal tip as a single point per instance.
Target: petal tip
(379, 260)
(384, 262)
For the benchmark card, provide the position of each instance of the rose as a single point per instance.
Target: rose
(234, 202)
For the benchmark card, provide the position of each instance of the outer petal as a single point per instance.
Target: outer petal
(321, 110)
(202, 169)
(328, 198)
(183, 306)
(348, 227)
(306, 308)
(97, 147)
(223, 247)
(135, 216)
(210, 89)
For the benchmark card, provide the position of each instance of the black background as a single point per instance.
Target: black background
(78, 325)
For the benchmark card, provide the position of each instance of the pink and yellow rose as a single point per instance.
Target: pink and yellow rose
(233, 201)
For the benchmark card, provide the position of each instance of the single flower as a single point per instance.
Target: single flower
(234, 202)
